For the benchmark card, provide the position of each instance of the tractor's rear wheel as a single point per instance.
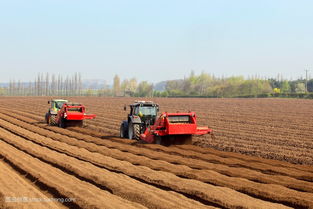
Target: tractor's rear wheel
(52, 120)
(137, 131)
(133, 131)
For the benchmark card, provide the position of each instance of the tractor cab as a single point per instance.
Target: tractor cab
(56, 104)
(146, 111)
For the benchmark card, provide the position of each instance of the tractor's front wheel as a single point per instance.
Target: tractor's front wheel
(130, 131)
(122, 131)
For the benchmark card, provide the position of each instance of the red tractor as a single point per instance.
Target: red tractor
(72, 114)
(167, 129)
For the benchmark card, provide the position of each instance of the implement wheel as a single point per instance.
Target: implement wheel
(73, 123)
(182, 139)
(173, 140)
(159, 140)
(62, 123)
(187, 139)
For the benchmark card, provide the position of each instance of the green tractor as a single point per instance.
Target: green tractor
(56, 105)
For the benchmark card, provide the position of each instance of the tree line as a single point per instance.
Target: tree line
(208, 85)
(129, 87)
(202, 85)
(46, 85)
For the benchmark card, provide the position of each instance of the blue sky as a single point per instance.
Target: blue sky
(155, 40)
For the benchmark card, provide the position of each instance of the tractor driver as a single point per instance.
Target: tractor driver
(138, 111)
(146, 110)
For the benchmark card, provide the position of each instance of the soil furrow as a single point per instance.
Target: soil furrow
(61, 184)
(259, 166)
(202, 191)
(27, 195)
(270, 192)
(193, 163)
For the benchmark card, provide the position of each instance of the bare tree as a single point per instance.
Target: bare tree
(53, 85)
(47, 89)
(19, 88)
(80, 84)
(116, 85)
(30, 89)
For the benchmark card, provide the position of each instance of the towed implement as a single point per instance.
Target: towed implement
(70, 114)
(174, 128)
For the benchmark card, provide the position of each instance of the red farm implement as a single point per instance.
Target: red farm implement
(174, 128)
(72, 114)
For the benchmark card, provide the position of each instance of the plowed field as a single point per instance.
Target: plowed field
(261, 157)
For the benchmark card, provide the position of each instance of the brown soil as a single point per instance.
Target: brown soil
(14, 186)
(98, 169)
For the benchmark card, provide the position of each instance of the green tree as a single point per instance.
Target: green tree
(300, 88)
(175, 88)
(144, 89)
(125, 86)
(132, 86)
(203, 82)
(232, 86)
(2, 91)
(285, 87)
